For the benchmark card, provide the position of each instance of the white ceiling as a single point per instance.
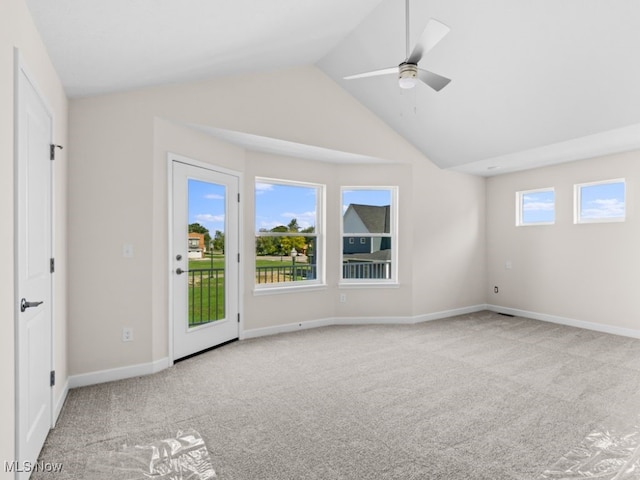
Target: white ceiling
(533, 82)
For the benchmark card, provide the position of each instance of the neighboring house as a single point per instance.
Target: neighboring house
(366, 219)
(366, 256)
(197, 246)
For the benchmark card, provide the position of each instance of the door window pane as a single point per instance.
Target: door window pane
(206, 272)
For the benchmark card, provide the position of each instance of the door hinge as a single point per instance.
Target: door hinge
(52, 378)
(52, 265)
(52, 151)
(238, 198)
(238, 318)
(238, 258)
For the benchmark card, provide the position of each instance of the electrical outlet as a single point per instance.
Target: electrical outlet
(343, 298)
(127, 334)
(496, 289)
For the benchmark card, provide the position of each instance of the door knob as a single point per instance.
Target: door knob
(24, 304)
(180, 271)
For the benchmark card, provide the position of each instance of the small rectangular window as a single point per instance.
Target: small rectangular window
(288, 232)
(600, 201)
(536, 207)
(369, 214)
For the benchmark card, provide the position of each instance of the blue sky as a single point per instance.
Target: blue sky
(538, 207)
(206, 205)
(275, 204)
(602, 201)
(279, 204)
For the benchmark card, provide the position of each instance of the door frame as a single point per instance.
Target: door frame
(175, 157)
(21, 74)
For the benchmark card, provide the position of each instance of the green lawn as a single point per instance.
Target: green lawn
(206, 290)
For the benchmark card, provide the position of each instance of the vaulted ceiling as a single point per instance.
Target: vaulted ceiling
(533, 83)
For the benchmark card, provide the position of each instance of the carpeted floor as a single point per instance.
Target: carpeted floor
(479, 396)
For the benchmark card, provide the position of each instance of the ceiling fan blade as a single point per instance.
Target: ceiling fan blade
(435, 81)
(433, 33)
(375, 73)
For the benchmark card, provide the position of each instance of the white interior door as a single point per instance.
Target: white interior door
(33, 305)
(205, 268)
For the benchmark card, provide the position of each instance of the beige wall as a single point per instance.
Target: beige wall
(582, 272)
(118, 194)
(17, 30)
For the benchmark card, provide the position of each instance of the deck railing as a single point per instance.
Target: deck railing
(370, 270)
(206, 295)
(207, 288)
(285, 273)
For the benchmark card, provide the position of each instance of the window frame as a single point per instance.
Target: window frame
(319, 234)
(577, 202)
(520, 207)
(393, 235)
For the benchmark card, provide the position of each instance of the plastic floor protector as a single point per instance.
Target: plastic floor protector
(611, 453)
(182, 458)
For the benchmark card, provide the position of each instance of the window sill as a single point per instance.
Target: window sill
(280, 289)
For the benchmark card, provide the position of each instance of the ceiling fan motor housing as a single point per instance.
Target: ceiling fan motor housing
(407, 75)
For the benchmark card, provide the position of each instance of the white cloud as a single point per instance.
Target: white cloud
(208, 218)
(537, 204)
(214, 196)
(603, 208)
(263, 188)
(305, 219)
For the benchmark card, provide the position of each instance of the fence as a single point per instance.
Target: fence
(372, 270)
(206, 295)
(350, 270)
(286, 273)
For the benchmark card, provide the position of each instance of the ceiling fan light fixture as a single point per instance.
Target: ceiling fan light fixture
(407, 75)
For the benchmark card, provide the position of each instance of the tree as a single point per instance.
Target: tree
(218, 241)
(276, 245)
(293, 225)
(289, 243)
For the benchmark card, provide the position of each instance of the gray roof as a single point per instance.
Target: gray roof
(375, 218)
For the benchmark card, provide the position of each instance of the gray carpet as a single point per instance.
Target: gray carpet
(479, 396)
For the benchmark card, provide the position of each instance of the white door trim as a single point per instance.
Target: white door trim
(22, 74)
(175, 157)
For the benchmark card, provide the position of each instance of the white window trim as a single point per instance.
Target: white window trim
(320, 280)
(577, 201)
(394, 210)
(520, 207)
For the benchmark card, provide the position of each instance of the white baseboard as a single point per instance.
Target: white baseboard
(571, 322)
(324, 322)
(102, 376)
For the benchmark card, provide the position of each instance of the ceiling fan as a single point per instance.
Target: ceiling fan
(408, 71)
